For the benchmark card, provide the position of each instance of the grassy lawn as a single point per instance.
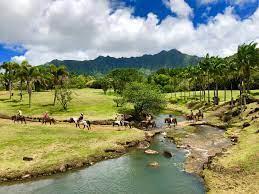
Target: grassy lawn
(93, 103)
(255, 93)
(52, 146)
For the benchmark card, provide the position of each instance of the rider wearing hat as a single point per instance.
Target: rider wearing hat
(19, 113)
(81, 117)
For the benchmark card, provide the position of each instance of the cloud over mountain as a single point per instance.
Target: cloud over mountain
(85, 29)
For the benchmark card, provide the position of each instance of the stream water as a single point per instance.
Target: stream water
(127, 174)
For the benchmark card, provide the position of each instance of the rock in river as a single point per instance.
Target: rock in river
(154, 164)
(152, 152)
(168, 154)
(143, 145)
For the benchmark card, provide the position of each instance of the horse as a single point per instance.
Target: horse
(49, 120)
(83, 122)
(170, 121)
(127, 124)
(198, 115)
(18, 118)
(189, 117)
(117, 123)
(146, 124)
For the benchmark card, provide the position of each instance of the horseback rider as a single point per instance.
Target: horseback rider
(19, 114)
(171, 118)
(191, 114)
(46, 115)
(81, 118)
(149, 117)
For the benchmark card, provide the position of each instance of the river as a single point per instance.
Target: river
(127, 174)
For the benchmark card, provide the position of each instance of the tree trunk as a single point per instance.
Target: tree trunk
(21, 90)
(231, 95)
(189, 90)
(225, 94)
(217, 90)
(10, 90)
(29, 89)
(208, 89)
(30, 98)
(200, 95)
(55, 96)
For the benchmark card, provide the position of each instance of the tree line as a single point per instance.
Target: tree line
(239, 71)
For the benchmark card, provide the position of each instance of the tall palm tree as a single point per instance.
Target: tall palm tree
(21, 76)
(10, 73)
(216, 69)
(247, 58)
(59, 74)
(31, 74)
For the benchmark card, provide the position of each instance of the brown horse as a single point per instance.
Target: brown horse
(18, 118)
(189, 117)
(49, 120)
(198, 115)
(146, 124)
(170, 121)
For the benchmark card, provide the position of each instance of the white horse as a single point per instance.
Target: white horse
(85, 123)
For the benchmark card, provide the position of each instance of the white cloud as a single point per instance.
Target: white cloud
(18, 59)
(179, 7)
(85, 29)
(230, 2)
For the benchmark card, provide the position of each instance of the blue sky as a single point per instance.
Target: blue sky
(39, 32)
(201, 11)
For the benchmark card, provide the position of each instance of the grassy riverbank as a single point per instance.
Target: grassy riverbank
(92, 102)
(236, 170)
(52, 147)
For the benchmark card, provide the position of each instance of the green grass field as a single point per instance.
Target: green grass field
(52, 146)
(178, 95)
(93, 103)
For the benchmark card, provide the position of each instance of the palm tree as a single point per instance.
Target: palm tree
(10, 73)
(21, 76)
(31, 75)
(206, 66)
(216, 69)
(247, 58)
(59, 74)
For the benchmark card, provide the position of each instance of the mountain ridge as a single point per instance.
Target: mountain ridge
(103, 64)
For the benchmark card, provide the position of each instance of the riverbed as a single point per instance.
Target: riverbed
(127, 174)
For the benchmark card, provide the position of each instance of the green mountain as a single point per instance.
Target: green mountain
(164, 59)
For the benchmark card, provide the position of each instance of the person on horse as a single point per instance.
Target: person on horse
(149, 118)
(81, 118)
(46, 115)
(191, 114)
(19, 113)
(171, 117)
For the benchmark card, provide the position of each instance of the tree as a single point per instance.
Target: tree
(121, 77)
(31, 75)
(10, 73)
(59, 75)
(64, 96)
(145, 98)
(105, 83)
(247, 58)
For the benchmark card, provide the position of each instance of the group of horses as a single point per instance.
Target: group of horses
(51, 120)
(194, 117)
(121, 120)
(128, 121)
